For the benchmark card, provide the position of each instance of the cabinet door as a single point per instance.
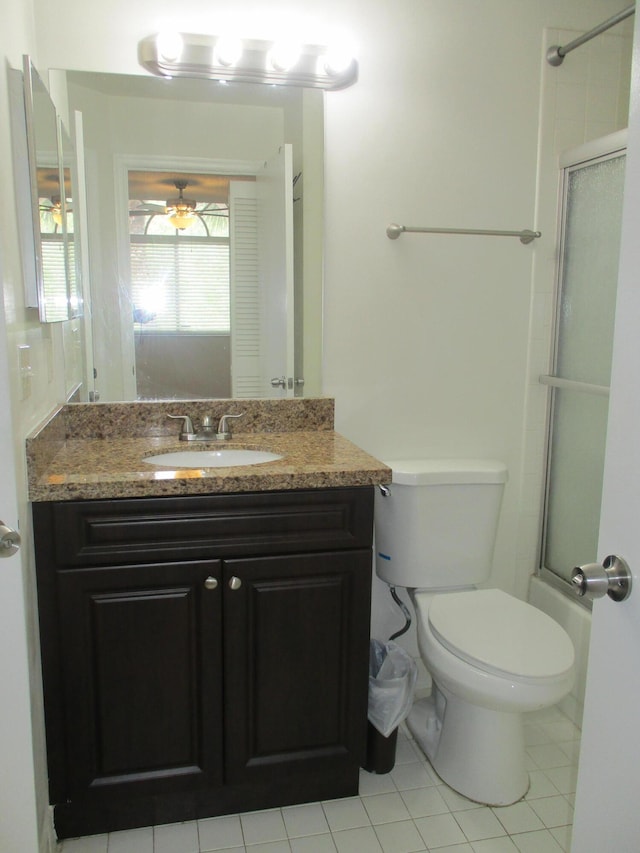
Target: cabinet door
(296, 666)
(142, 678)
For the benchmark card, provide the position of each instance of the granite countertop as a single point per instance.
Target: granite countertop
(113, 468)
(107, 466)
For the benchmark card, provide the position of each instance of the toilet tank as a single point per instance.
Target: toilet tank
(437, 526)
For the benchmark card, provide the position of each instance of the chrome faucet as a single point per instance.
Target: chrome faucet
(224, 429)
(187, 433)
(207, 430)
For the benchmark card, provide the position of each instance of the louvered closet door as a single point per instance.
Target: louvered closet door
(261, 271)
(246, 311)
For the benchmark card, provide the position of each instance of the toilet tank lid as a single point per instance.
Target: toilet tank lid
(421, 472)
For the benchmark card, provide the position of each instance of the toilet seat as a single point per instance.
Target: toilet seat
(500, 634)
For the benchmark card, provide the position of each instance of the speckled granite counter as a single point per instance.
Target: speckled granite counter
(96, 451)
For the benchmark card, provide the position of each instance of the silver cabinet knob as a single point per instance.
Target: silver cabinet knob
(9, 540)
(211, 583)
(612, 578)
(235, 583)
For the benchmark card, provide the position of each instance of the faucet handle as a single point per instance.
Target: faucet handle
(187, 431)
(224, 429)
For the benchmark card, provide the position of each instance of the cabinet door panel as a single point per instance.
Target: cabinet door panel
(296, 657)
(142, 683)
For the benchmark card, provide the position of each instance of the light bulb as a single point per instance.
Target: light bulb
(169, 45)
(227, 51)
(337, 59)
(284, 55)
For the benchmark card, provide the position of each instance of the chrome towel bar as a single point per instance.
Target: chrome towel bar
(526, 236)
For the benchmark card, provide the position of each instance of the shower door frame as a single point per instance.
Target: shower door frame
(599, 150)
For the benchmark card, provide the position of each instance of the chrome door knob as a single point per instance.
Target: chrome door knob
(235, 583)
(9, 540)
(211, 582)
(594, 580)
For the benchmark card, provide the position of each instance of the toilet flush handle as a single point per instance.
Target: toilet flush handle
(594, 580)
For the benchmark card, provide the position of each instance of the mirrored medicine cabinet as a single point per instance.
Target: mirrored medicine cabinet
(51, 260)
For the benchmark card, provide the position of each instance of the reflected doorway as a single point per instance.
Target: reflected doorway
(180, 283)
(208, 301)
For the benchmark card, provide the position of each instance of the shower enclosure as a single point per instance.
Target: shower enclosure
(591, 217)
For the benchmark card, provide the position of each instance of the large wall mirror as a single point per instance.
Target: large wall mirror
(230, 305)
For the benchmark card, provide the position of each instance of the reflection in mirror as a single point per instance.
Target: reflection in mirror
(194, 132)
(65, 215)
(180, 283)
(47, 199)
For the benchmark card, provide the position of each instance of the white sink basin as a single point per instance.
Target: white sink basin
(224, 458)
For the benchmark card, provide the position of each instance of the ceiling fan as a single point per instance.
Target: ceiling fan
(181, 212)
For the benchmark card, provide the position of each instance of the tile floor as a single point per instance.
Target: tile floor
(408, 810)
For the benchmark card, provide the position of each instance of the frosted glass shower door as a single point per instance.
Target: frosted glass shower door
(592, 219)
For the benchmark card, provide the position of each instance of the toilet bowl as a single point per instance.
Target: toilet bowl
(492, 657)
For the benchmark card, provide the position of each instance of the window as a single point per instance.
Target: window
(179, 279)
(54, 266)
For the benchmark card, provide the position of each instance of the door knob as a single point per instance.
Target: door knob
(235, 583)
(612, 578)
(211, 582)
(9, 540)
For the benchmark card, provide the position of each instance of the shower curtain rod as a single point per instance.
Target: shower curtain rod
(526, 236)
(556, 53)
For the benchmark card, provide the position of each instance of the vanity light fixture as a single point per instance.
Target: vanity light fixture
(248, 61)
(181, 212)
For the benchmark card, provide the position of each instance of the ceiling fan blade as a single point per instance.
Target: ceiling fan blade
(147, 209)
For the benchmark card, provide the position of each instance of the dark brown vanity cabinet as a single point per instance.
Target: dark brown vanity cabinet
(202, 655)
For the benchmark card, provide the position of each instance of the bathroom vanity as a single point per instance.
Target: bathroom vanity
(204, 652)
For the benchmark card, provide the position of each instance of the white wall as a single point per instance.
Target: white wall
(425, 338)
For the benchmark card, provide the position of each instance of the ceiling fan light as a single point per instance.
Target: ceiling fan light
(181, 212)
(181, 217)
(56, 209)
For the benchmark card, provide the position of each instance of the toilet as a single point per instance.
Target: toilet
(491, 656)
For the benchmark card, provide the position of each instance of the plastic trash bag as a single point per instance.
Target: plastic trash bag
(392, 681)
